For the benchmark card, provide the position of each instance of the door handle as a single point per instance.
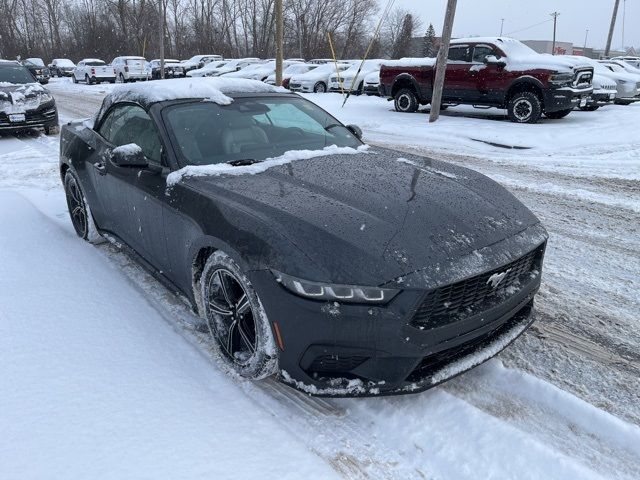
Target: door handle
(102, 169)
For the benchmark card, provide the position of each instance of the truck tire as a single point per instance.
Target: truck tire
(405, 101)
(524, 107)
(558, 115)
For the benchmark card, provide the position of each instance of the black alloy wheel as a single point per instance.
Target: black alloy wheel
(230, 317)
(76, 205)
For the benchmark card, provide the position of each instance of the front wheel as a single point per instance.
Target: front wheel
(405, 101)
(75, 80)
(320, 87)
(524, 107)
(237, 322)
(558, 115)
(79, 210)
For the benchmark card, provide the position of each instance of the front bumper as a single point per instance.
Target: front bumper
(44, 116)
(566, 98)
(600, 98)
(371, 89)
(365, 350)
(301, 87)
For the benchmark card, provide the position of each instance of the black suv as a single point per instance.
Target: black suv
(23, 103)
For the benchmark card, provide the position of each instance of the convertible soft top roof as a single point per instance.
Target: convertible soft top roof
(217, 90)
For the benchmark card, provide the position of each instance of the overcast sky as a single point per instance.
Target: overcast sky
(482, 17)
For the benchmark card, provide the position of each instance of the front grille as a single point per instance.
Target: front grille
(469, 297)
(583, 79)
(294, 85)
(431, 364)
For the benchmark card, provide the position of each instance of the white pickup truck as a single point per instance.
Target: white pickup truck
(93, 70)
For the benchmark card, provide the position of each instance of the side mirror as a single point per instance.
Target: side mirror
(129, 155)
(356, 130)
(493, 60)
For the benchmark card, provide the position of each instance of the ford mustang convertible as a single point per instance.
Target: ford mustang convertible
(339, 268)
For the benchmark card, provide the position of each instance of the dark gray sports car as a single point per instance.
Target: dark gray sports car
(342, 269)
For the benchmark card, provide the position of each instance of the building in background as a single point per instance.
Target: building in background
(546, 46)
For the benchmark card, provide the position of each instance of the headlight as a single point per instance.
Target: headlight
(45, 98)
(335, 293)
(561, 79)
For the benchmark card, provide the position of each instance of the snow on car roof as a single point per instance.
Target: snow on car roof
(211, 89)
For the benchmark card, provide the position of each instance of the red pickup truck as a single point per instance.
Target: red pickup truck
(494, 72)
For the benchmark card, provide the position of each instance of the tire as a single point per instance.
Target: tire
(405, 101)
(75, 80)
(320, 87)
(87, 79)
(236, 320)
(559, 114)
(524, 107)
(121, 78)
(79, 211)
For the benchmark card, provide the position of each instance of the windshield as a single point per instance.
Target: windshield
(251, 129)
(15, 74)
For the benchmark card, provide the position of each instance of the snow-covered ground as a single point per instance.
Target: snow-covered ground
(106, 374)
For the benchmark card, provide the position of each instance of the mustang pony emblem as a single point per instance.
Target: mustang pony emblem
(496, 279)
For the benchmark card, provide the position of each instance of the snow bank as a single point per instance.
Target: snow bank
(211, 89)
(96, 383)
(288, 157)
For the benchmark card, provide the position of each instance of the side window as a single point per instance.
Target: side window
(131, 124)
(460, 54)
(480, 52)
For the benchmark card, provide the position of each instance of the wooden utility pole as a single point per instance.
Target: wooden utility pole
(501, 27)
(162, 27)
(555, 16)
(279, 42)
(441, 63)
(612, 28)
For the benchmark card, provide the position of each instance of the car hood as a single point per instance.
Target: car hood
(381, 216)
(18, 97)
(601, 81)
(557, 63)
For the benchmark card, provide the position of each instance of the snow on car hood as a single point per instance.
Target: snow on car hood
(536, 61)
(17, 98)
(367, 218)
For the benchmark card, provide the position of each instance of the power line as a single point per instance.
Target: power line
(530, 27)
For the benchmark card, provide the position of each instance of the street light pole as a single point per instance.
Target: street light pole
(555, 16)
(441, 65)
(279, 42)
(162, 27)
(502, 27)
(586, 35)
(612, 28)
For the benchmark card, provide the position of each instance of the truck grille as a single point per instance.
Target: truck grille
(469, 297)
(583, 79)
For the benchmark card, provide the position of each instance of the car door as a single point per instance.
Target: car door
(490, 81)
(135, 196)
(458, 87)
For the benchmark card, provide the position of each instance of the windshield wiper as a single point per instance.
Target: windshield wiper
(243, 162)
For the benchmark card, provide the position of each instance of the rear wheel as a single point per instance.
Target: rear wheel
(524, 107)
(406, 101)
(237, 323)
(320, 87)
(558, 115)
(79, 210)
